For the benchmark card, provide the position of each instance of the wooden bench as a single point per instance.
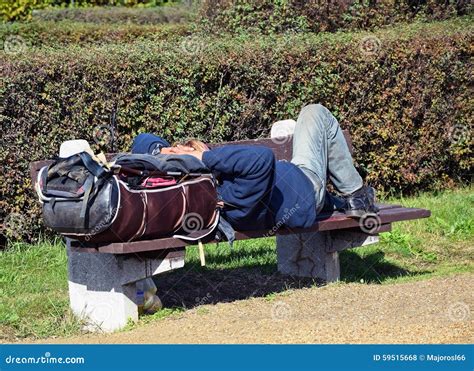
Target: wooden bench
(102, 278)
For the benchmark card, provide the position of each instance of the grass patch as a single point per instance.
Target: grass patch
(439, 245)
(163, 313)
(33, 278)
(33, 287)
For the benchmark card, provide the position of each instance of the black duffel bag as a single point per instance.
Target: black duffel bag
(85, 200)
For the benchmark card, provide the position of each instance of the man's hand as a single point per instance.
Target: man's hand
(182, 150)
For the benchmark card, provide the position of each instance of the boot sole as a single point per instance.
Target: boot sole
(359, 213)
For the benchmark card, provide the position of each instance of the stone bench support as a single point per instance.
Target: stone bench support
(102, 287)
(316, 254)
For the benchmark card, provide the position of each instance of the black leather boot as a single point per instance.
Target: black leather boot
(361, 203)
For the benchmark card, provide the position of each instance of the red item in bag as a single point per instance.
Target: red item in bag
(154, 182)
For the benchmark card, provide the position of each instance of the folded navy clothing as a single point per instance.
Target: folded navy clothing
(184, 164)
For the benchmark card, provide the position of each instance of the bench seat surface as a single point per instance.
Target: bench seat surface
(325, 222)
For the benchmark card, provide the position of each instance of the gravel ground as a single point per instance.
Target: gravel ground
(438, 310)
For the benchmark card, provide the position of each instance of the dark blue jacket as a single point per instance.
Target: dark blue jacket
(260, 191)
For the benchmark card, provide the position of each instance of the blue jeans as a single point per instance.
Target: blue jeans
(320, 150)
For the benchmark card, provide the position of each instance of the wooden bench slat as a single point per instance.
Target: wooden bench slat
(325, 222)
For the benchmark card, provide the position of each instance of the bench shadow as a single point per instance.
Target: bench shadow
(371, 268)
(194, 285)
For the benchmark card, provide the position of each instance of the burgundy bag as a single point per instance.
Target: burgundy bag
(86, 202)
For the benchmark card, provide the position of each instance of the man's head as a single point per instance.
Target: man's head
(193, 147)
(153, 144)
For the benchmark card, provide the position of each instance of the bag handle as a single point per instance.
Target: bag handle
(96, 169)
(99, 172)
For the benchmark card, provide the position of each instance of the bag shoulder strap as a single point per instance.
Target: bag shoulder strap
(91, 165)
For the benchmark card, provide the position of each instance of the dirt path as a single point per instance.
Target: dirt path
(437, 310)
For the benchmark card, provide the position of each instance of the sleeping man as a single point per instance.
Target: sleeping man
(259, 192)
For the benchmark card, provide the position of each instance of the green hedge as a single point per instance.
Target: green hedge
(59, 34)
(14, 10)
(19, 9)
(403, 94)
(275, 16)
(110, 2)
(111, 15)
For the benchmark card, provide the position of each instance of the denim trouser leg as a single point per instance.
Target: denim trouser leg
(320, 149)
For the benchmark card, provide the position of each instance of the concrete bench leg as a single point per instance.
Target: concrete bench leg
(316, 254)
(102, 287)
